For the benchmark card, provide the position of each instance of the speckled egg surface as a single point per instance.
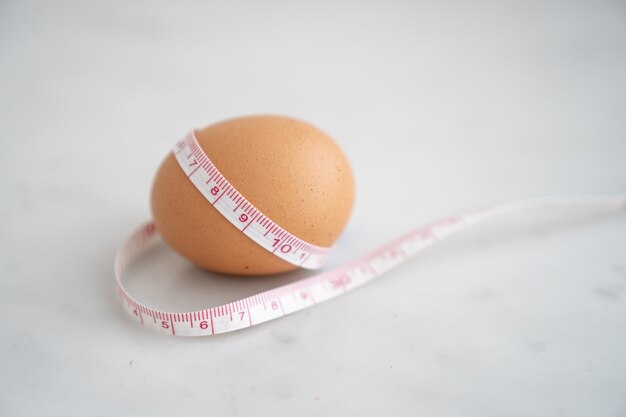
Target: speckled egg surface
(290, 170)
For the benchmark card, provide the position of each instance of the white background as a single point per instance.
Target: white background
(446, 105)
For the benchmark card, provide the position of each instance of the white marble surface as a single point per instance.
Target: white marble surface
(462, 104)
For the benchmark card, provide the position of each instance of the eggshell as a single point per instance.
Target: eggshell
(290, 170)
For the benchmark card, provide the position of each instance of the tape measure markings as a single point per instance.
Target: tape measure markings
(289, 298)
(240, 212)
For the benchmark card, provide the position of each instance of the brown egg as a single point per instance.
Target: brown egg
(291, 171)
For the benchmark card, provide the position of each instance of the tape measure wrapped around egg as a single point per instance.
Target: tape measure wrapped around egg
(273, 171)
(263, 195)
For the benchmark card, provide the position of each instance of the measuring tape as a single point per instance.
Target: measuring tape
(305, 293)
(240, 212)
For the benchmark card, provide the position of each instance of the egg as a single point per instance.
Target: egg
(291, 171)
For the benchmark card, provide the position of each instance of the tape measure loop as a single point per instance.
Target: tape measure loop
(278, 302)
